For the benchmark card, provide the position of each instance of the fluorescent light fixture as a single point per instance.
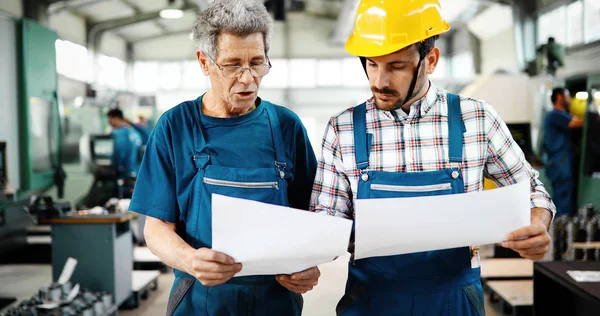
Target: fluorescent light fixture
(171, 14)
(582, 95)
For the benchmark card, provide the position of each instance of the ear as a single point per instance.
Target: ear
(204, 62)
(433, 57)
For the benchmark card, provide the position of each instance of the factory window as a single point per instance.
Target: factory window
(170, 76)
(553, 24)
(575, 23)
(329, 73)
(303, 73)
(353, 73)
(278, 75)
(463, 66)
(111, 72)
(193, 77)
(145, 77)
(72, 61)
(592, 20)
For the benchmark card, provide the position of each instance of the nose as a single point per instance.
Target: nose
(246, 77)
(381, 78)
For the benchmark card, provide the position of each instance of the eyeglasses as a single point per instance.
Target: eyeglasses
(232, 72)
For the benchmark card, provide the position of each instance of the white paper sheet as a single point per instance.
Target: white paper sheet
(396, 226)
(584, 276)
(270, 239)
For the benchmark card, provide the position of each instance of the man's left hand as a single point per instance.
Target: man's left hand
(532, 241)
(300, 282)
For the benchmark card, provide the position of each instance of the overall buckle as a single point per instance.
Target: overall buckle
(281, 167)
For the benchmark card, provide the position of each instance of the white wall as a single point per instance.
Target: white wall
(11, 7)
(114, 46)
(176, 47)
(69, 27)
(499, 52)
(9, 125)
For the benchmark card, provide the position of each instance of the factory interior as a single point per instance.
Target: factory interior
(69, 245)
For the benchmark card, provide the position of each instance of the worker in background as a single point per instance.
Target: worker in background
(414, 137)
(141, 126)
(558, 145)
(230, 142)
(127, 142)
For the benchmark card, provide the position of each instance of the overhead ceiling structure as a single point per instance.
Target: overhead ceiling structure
(143, 20)
(458, 12)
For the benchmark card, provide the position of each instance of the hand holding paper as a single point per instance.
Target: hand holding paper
(531, 242)
(271, 239)
(213, 268)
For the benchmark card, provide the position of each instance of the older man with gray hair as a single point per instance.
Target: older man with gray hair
(227, 141)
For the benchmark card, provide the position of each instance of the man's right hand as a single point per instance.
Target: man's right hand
(212, 267)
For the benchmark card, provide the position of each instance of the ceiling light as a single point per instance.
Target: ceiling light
(171, 14)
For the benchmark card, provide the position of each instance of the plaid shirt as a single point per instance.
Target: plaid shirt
(418, 142)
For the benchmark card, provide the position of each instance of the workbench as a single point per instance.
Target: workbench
(557, 293)
(102, 245)
(506, 268)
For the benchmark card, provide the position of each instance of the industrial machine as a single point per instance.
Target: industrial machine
(30, 125)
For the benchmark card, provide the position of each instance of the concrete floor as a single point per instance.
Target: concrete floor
(22, 281)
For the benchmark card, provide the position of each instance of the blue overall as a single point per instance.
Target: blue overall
(254, 295)
(426, 283)
(560, 163)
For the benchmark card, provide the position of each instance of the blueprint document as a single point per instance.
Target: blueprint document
(397, 226)
(270, 239)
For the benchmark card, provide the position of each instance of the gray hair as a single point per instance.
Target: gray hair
(236, 17)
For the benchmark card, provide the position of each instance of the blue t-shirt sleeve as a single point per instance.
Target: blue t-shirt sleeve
(154, 193)
(561, 120)
(305, 169)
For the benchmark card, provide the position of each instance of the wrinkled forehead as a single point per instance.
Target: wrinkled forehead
(242, 47)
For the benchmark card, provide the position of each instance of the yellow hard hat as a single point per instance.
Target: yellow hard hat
(386, 26)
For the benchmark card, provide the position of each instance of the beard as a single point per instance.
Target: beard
(395, 99)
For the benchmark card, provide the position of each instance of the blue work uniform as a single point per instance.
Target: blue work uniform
(127, 142)
(427, 283)
(144, 132)
(264, 155)
(558, 145)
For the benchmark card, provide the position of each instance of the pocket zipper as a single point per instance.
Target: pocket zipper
(243, 185)
(412, 188)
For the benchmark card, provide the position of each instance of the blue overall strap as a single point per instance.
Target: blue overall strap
(280, 160)
(361, 141)
(456, 128)
(201, 157)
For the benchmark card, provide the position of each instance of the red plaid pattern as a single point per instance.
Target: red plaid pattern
(418, 142)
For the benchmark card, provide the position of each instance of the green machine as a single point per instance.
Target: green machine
(39, 118)
(587, 140)
(30, 125)
(589, 171)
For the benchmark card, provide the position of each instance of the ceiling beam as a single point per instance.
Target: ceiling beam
(57, 7)
(166, 34)
(95, 30)
(137, 11)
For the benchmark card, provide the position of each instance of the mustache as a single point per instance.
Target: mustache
(385, 90)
